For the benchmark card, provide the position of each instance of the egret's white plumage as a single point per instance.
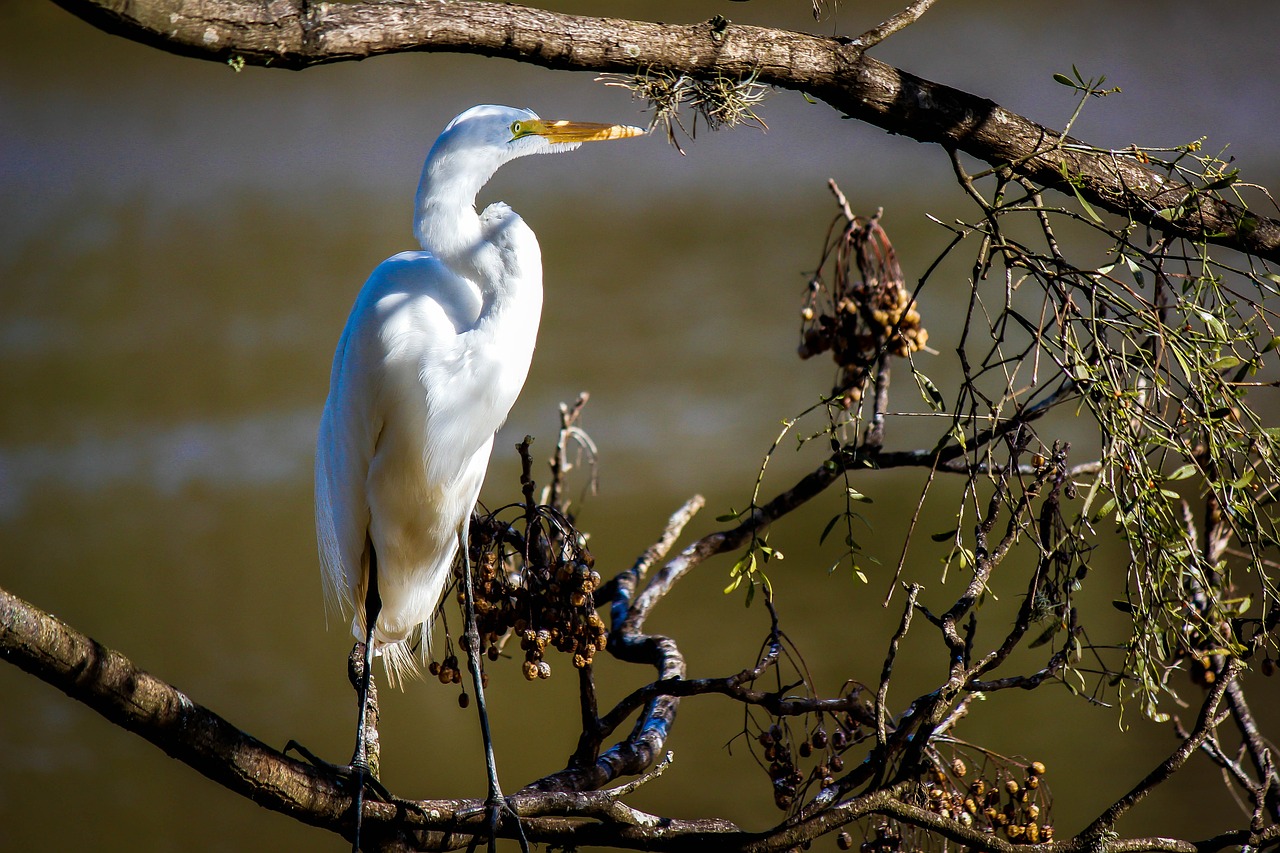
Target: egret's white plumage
(431, 360)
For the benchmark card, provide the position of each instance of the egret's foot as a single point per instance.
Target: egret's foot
(497, 810)
(347, 773)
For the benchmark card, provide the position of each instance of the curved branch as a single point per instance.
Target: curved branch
(297, 34)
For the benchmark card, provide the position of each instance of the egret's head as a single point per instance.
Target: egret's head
(483, 138)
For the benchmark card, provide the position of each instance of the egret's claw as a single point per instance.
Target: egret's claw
(346, 772)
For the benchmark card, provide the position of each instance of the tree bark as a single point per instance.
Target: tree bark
(109, 683)
(297, 34)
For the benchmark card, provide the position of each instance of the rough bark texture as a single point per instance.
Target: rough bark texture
(297, 34)
(106, 681)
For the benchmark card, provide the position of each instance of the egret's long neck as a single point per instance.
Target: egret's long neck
(445, 219)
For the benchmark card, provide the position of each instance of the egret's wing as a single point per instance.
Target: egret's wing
(409, 305)
(344, 447)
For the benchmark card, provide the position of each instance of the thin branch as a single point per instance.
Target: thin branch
(900, 21)
(882, 693)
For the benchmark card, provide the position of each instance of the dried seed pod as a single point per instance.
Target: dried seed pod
(958, 767)
(844, 840)
(530, 670)
(463, 700)
(1011, 785)
(1037, 767)
(819, 739)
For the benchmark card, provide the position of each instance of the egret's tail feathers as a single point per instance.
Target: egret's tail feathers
(400, 661)
(403, 659)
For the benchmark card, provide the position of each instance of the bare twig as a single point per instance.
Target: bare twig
(900, 21)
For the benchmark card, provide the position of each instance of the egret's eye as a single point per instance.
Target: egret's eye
(517, 129)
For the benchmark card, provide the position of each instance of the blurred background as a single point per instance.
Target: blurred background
(180, 245)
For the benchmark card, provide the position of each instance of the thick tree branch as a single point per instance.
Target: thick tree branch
(298, 34)
(134, 700)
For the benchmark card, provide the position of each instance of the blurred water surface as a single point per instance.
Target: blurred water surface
(180, 244)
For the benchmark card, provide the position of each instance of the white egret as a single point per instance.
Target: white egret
(432, 358)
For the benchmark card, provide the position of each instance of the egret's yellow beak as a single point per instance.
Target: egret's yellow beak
(572, 131)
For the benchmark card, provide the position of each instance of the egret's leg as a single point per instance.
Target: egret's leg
(471, 644)
(360, 761)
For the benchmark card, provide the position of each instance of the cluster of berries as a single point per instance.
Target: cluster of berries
(861, 320)
(544, 607)
(1013, 804)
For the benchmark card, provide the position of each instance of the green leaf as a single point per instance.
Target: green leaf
(944, 537)
(1225, 181)
(930, 392)
(1240, 606)
(1243, 480)
(1122, 606)
(1225, 362)
(855, 495)
(1065, 80)
(858, 573)
(826, 531)
(1087, 209)
(1134, 269)
(1182, 473)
